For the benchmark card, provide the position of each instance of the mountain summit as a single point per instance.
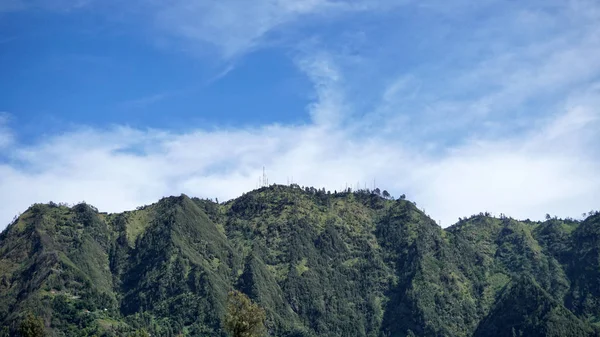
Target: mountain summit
(319, 263)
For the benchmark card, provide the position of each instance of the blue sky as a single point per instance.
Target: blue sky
(464, 106)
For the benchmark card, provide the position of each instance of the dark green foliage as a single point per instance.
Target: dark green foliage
(584, 269)
(525, 309)
(32, 326)
(318, 263)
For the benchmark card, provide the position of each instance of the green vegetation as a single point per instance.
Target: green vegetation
(312, 262)
(31, 326)
(139, 333)
(243, 318)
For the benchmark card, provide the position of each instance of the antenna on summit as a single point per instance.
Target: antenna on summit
(264, 180)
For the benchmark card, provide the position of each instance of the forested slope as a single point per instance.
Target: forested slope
(319, 263)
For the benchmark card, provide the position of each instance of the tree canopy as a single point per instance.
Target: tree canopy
(32, 326)
(244, 318)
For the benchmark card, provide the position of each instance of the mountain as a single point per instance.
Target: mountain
(319, 263)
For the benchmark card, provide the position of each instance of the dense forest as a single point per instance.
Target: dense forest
(315, 263)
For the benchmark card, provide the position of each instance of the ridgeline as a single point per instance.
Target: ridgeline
(318, 263)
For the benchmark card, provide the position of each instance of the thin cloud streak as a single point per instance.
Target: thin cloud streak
(237, 27)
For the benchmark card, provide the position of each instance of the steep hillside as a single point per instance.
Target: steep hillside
(319, 263)
(525, 309)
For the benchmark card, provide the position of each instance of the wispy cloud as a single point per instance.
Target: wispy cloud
(236, 27)
(504, 76)
(328, 108)
(6, 134)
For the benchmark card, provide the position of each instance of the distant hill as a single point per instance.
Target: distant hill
(319, 263)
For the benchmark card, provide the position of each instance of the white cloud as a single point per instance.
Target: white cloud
(328, 108)
(547, 170)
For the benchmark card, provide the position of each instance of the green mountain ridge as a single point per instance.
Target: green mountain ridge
(319, 263)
